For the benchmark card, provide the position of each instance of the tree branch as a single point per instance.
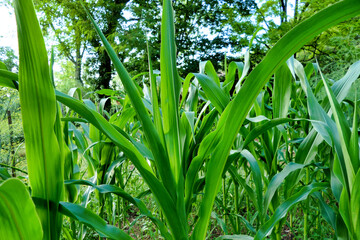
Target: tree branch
(66, 50)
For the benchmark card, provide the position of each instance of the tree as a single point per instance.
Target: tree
(110, 13)
(8, 57)
(65, 77)
(66, 21)
(335, 49)
(11, 134)
(202, 33)
(202, 28)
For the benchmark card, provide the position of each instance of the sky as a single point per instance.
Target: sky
(8, 35)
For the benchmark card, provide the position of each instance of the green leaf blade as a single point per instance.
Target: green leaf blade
(18, 216)
(170, 89)
(38, 104)
(233, 116)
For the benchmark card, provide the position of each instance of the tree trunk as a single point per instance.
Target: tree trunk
(78, 59)
(78, 71)
(104, 71)
(111, 18)
(296, 9)
(11, 148)
(283, 11)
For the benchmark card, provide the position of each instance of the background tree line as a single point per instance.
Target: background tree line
(206, 30)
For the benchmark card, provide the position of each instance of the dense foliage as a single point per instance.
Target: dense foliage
(265, 147)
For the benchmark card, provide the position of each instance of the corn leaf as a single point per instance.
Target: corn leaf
(235, 237)
(342, 87)
(354, 141)
(38, 106)
(149, 129)
(343, 130)
(120, 192)
(8, 79)
(170, 97)
(326, 211)
(185, 88)
(214, 93)
(158, 190)
(355, 206)
(92, 220)
(282, 92)
(17, 211)
(241, 181)
(233, 116)
(4, 174)
(308, 148)
(245, 70)
(170, 91)
(282, 210)
(206, 67)
(155, 98)
(345, 210)
(257, 176)
(230, 76)
(277, 180)
(258, 130)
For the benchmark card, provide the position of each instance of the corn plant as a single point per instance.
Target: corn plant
(219, 100)
(345, 165)
(181, 150)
